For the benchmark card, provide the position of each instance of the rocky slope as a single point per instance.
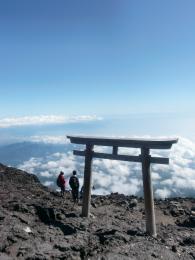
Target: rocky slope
(36, 223)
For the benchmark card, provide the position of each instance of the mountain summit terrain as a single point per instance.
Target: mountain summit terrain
(37, 224)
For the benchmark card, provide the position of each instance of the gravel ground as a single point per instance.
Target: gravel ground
(36, 223)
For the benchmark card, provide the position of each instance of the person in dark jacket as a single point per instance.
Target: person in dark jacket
(74, 184)
(61, 183)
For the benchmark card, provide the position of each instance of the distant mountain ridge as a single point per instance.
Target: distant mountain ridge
(17, 153)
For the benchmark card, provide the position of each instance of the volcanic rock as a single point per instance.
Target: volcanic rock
(37, 224)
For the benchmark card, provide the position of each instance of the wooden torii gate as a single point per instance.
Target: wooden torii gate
(144, 158)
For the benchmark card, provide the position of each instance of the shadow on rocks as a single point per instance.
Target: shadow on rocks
(71, 215)
(188, 222)
(110, 236)
(132, 232)
(105, 234)
(47, 216)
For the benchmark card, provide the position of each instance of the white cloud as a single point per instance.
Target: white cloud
(175, 179)
(48, 167)
(48, 183)
(31, 165)
(48, 139)
(162, 193)
(45, 119)
(46, 174)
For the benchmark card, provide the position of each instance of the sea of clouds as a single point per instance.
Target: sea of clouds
(175, 179)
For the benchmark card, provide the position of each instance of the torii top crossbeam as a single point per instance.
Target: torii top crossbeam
(165, 143)
(144, 158)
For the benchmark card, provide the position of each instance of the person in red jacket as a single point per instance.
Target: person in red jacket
(61, 183)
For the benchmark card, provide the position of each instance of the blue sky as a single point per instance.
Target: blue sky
(97, 57)
(127, 65)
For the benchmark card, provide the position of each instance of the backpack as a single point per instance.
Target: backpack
(58, 183)
(73, 182)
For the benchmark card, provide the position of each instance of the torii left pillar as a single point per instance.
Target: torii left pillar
(144, 158)
(87, 180)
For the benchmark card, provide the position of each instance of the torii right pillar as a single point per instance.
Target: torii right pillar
(145, 159)
(148, 193)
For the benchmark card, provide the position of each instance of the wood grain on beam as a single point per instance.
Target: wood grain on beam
(127, 158)
(121, 142)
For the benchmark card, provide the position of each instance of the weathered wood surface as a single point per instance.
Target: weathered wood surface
(87, 181)
(115, 150)
(148, 193)
(127, 158)
(122, 142)
(145, 145)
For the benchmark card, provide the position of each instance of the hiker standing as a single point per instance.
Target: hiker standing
(61, 183)
(74, 184)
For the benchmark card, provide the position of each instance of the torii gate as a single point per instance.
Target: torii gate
(144, 158)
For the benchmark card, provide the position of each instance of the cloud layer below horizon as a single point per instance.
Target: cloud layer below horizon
(45, 120)
(175, 179)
